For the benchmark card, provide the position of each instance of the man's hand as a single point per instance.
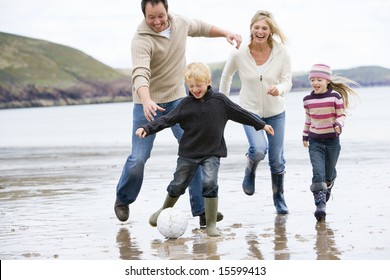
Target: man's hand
(233, 38)
(150, 109)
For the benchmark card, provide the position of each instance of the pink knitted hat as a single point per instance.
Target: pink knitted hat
(321, 71)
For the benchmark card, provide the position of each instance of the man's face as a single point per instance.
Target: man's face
(156, 17)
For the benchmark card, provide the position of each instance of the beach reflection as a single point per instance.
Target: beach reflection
(254, 245)
(206, 249)
(172, 249)
(281, 251)
(325, 245)
(128, 250)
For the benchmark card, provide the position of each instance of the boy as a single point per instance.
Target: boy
(203, 116)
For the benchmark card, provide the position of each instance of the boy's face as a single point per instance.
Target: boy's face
(197, 88)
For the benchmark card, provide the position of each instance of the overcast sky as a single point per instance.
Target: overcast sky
(340, 33)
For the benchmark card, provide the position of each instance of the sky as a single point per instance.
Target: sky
(340, 33)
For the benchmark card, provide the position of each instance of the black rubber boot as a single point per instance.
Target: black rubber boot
(278, 193)
(248, 184)
(329, 186)
(122, 210)
(319, 193)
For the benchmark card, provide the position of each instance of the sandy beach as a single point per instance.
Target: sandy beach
(57, 203)
(59, 168)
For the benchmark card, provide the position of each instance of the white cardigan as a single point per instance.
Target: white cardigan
(253, 93)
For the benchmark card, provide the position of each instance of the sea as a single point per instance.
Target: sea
(111, 124)
(59, 167)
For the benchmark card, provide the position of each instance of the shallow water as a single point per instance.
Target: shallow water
(57, 189)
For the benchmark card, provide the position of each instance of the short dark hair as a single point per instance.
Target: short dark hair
(153, 2)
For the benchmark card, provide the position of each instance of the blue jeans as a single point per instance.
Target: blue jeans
(130, 182)
(260, 142)
(185, 171)
(324, 154)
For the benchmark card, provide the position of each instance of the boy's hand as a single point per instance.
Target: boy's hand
(141, 133)
(269, 129)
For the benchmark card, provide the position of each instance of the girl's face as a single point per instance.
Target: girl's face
(319, 85)
(197, 88)
(260, 31)
(156, 17)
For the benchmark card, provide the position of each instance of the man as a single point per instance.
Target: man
(158, 55)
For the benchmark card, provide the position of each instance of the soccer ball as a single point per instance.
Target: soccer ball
(172, 222)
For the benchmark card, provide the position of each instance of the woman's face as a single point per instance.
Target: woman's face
(156, 17)
(260, 31)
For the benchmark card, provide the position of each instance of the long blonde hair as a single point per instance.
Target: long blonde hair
(275, 29)
(340, 84)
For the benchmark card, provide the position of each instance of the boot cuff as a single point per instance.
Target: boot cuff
(315, 187)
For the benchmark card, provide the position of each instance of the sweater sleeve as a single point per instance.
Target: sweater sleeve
(340, 112)
(306, 126)
(197, 28)
(238, 114)
(140, 51)
(227, 74)
(285, 79)
(162, 122)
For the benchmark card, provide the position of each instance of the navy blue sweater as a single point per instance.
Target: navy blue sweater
(203, 121)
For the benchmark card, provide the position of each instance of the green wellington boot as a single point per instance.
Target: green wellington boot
(169, 202)
(211, 208)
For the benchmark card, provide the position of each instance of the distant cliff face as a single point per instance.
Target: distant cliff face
(39, 73)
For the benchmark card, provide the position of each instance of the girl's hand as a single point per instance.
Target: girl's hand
(337, 129)
(141, 133)
(305, 144)
(269, 129)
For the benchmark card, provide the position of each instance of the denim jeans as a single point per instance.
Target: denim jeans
(185, 171)
(260, 143)
(324, 154)
(130, 182)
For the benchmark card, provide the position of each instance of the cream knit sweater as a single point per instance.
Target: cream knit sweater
(158, 62)
(253, 94)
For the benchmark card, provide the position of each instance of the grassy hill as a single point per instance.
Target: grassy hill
(40, 73)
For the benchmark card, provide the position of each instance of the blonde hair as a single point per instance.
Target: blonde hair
(197, 71)
(340, 84)
(275, 29)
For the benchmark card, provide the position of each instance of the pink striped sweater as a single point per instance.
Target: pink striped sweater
(323, 112)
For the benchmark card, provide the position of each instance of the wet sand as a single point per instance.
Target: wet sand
(57, 203)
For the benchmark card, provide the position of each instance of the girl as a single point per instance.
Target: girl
(325, 115)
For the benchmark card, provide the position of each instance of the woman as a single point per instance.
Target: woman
(264, 68)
